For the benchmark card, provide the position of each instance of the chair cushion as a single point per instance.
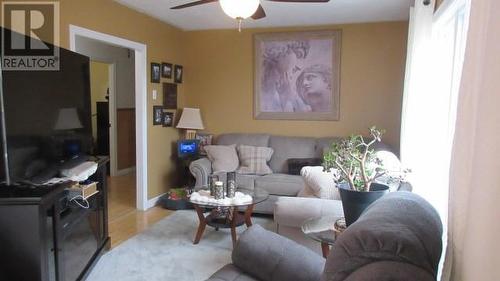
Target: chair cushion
(253, 159)
(289, 147)
(223, 157)
(280, 184)
(320, 182)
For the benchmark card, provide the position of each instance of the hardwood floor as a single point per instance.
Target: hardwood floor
(125, 221)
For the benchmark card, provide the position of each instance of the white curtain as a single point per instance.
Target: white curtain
(474, 210)
(435, 59)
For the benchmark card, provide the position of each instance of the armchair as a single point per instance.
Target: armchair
(396, 238)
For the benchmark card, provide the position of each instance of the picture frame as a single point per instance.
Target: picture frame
(178, 73)
(170, 95)
(157, 115)
(297, 75)
(166, 70)
(155, 72)
(168, 119)
(204, 139)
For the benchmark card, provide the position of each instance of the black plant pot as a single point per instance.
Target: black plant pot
(355, 202)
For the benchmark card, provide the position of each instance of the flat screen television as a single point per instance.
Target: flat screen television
(187, 148)
(46, 120)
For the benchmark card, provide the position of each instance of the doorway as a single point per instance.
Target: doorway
(138, 50)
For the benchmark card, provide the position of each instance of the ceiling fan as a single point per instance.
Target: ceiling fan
(242, 9)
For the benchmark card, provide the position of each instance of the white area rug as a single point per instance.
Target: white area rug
(166, 252)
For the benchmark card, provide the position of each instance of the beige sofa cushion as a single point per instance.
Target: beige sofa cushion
(253, 159)
(280, 184)
(223, 157)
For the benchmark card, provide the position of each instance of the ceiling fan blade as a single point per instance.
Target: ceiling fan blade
(301, 1)
(260, 13)
(191, 4)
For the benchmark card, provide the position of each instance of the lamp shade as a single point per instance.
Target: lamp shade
(67, 119)
(190, 119)
(239, 9)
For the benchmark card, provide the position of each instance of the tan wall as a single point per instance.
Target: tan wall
(164, 43)
(220, 82)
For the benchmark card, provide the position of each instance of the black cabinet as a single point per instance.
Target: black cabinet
(44, 236)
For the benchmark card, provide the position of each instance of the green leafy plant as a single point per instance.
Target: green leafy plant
(177, 193)
(355, 160)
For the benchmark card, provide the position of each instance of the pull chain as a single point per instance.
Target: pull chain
(239, 23)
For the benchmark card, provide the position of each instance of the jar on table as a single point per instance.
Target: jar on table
(231, 184)
(219, 190)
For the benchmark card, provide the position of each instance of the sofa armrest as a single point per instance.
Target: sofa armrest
(293, 211)
(201, 169)
(268, 256)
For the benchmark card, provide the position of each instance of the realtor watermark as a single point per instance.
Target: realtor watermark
(27, 26)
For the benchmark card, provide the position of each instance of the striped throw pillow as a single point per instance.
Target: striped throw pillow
(253, 159)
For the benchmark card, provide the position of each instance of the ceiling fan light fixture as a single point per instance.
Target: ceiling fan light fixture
(239, 9)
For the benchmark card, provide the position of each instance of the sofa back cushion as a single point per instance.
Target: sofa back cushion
(243, 139)
(253, 159)
(290, 147)
(224, 158)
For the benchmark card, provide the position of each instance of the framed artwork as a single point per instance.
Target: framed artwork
(297, 75)
(166, 70)
(155, 72)
(170, 95)
(178, 72)
(158, 115)
(204, 139)
(168, 119)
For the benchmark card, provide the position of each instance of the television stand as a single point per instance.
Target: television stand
(46, 237)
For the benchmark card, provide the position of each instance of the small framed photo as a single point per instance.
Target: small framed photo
(178, 72)
(155, 72)
(204, 139)
(157, 115)
(166, 70)
(168, 119)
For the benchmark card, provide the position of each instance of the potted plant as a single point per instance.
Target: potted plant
(356, 169)
(176, 199)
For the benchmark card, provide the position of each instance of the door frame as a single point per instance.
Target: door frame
(141, 136)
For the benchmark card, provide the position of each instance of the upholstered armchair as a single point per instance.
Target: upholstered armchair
(396, 238)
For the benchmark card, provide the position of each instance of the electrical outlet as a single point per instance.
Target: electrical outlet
(155, 94)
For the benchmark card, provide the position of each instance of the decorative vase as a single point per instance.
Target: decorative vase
(212, 179)
(219, 190)
(231, 184)
(355, 202)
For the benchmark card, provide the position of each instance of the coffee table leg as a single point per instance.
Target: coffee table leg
(248, 215)
(325, 249)
(201, 226)
(234, 217)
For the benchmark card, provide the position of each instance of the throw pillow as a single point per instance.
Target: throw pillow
(321, 183)
(254, 159)
(223, 157)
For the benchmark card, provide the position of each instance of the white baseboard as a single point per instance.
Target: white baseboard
(154, 201)
(126, 171)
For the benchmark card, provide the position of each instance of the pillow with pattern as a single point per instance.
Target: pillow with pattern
(253, 159)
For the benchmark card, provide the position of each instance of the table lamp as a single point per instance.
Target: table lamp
(68, 121)
(191, 121)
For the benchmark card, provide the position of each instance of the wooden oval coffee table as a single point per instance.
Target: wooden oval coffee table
(227, 215)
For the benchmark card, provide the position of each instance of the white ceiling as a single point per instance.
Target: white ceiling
(210, 16)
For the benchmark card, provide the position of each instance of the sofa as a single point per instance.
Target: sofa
(397, 238)
(280, 183)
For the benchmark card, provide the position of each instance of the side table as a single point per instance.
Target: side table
(322, 230)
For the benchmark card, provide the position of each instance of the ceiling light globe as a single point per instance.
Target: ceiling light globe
(239, 9)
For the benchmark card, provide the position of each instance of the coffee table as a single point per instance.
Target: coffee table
(227, 216)
(321, 229)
